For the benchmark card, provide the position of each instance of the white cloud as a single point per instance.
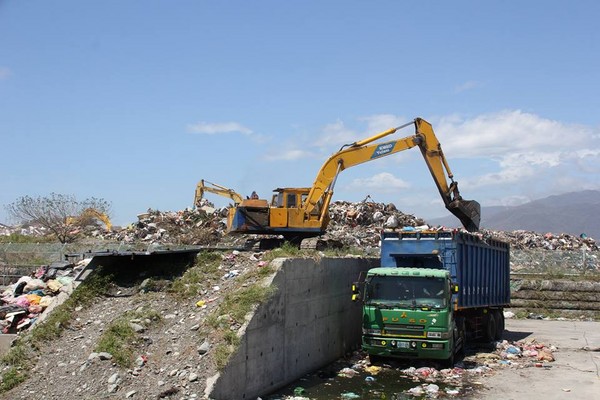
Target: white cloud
(382, 122)
(467, 86)
(5, 73)
(383, 182)
(288, 155)
(217, 128)
(507, 201)
(335, 134)
(506, 132)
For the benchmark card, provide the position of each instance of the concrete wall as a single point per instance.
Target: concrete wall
(309, 323)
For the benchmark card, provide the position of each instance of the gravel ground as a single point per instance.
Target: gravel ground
(168, 360)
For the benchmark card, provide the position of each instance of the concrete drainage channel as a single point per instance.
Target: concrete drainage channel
(309, 323)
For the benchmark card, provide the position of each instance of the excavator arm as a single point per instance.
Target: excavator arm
(319, 197)
(87, 214)
(203, 186)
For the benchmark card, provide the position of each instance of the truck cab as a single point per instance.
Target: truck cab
(407, 313)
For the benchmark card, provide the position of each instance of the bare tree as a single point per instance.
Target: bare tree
(59, 213)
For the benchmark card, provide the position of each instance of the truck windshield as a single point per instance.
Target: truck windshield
(407, 291)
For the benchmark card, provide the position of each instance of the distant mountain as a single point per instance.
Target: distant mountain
(573, 213)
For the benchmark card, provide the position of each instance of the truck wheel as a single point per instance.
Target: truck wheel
(462, 335)
(449, 362)
(499, 316)
(490, 328)
(375, 359)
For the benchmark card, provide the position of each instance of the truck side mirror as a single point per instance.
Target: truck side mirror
(454, 288)
(355, 292)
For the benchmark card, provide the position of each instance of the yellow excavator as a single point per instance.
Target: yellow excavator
(88, 215)
(206, 186)
(299, 213)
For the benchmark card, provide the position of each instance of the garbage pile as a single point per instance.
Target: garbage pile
(201, 226)
(351, 224)
(26, 230)
(522, 239)
(24, 302)
(360, 224)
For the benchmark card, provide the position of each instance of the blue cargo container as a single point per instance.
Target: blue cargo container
(480, 267)
(471, 275)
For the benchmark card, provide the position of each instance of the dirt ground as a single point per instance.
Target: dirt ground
(574, 375)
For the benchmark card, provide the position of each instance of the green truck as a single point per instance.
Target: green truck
(433, 291)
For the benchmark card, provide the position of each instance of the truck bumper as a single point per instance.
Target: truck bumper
(407, 348)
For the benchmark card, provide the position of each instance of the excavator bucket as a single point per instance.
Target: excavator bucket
(468, 212)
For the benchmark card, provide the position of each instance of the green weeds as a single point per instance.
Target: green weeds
(120, 339)
(11, 378)
(204, 272)
(116, 340)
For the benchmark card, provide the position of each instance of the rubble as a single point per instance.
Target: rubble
(356, 224)
(26, 301)
(25, 230)
(522, 239)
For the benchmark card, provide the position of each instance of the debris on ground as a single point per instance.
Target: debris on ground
(25, 301)
(424, 378)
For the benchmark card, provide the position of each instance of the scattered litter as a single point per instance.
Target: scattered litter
(373, 369)
(299, 390)
(348, 373)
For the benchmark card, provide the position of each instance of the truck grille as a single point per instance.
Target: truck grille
(405, 330)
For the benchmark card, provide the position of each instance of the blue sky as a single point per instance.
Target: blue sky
(136, 101)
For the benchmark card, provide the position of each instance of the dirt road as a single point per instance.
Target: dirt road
(574, 375)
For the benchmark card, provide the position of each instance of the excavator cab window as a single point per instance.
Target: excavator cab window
(278, 200)
(291, 200)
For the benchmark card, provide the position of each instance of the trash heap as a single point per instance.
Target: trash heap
(25, 301)
(200, 226)
(522, 239)
(26, 230)
(360, 224)
(354, 224)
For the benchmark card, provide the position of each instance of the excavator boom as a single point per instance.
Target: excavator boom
(467, 211)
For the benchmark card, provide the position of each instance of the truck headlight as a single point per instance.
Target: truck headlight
(371, 331)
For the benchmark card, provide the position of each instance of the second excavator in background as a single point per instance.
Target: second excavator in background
(299, 213)
(206, 186)
(89, 216)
